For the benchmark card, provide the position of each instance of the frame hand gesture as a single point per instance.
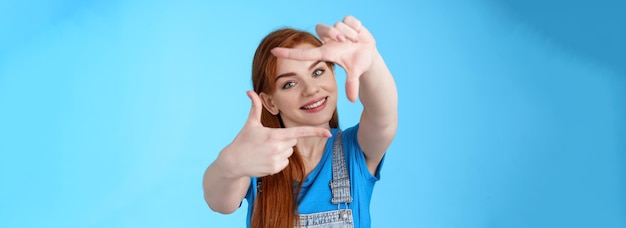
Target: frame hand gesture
(347, 43)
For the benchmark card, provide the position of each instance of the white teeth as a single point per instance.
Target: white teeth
(316, 104)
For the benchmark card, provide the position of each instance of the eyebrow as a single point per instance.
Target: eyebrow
(293, 74)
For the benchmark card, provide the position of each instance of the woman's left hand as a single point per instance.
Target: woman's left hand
(348, 44)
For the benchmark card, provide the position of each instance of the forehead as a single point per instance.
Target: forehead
(284, 66)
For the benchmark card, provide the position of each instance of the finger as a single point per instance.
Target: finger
(353, 23)
(347, 31)
(287, 153)
(298, 53)
(255, 110)
(299, 132)
(352, 86)
(282, 165)
(326, 33)
(291, 142)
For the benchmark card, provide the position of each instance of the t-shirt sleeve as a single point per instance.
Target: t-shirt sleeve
(250, 195)
(356, 157)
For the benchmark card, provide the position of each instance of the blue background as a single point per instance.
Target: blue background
(512, 113)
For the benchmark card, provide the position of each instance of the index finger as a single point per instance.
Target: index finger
(353, 23)
(299, 132)
(302, 54)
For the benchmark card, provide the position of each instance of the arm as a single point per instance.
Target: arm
(256, 151)
(379, 120)
(223, 190)
(351, 45)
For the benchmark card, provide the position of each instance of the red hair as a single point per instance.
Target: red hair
(276, 204)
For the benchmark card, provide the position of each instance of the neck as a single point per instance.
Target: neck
(310, 147)
(311, 150)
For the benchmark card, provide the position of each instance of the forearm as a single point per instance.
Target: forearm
(223, 192)
(379, 96)
(379, 120)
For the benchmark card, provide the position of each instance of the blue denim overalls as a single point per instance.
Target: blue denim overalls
(340, 188)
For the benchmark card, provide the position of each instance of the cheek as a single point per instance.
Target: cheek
(330, 83)
(291, 100)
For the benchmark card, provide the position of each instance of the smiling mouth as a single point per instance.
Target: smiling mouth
(315, 105)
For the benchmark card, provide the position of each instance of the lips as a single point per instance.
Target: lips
(314, 104)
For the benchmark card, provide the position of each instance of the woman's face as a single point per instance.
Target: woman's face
(305, 94)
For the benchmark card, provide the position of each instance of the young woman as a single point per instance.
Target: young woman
(291, 162)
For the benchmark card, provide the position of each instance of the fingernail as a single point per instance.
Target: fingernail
(341, 38)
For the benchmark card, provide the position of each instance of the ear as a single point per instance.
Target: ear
(268, 103)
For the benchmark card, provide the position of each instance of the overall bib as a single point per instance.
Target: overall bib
(340, 188)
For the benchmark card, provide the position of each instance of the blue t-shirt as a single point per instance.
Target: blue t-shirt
(315, 195)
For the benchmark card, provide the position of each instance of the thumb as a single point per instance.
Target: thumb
(255, 110)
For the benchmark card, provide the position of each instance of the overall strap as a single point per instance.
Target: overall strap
(340, 184)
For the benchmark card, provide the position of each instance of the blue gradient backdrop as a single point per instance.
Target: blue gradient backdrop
(512, 113)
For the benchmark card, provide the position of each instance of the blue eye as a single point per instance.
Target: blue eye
(289, 85)
(318, 72)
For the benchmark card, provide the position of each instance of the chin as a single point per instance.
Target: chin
(327, 119)
(319, 120)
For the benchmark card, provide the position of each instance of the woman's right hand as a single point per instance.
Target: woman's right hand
(259, 151)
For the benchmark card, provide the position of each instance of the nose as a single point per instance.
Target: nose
(310, 88)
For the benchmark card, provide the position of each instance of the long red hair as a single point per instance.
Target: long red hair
(275, 205)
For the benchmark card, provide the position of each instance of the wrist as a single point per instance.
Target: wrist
(226, 165)
(377, 65)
